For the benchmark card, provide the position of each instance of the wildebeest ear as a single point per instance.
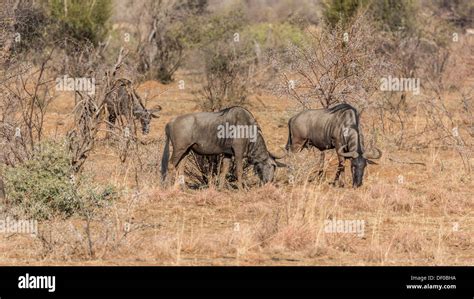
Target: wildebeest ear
(372, 162)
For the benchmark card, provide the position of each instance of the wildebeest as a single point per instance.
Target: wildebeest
(333, 128)
(205, 134)
(128, 103)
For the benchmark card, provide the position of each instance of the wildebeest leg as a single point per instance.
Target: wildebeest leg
(320, 167)
(339, 180)
(312, 171)
(179, 177)
(297, 144)
(176, 159)
(322, 156)
(223, 172)
(239, 168)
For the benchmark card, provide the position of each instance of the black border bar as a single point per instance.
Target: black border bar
(221, 282)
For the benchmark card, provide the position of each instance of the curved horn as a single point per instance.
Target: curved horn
(375, 153)
(155, 109)
(341, 152)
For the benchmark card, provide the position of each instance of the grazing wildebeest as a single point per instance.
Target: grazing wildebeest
(127, 102)
(205, 134)
(333, 128)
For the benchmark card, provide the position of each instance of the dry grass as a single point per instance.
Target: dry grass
(267, 225)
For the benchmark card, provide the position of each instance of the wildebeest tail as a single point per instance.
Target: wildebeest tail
(289, 142)
(166, 154)
(2, 189)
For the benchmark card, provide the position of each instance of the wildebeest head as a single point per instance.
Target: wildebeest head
(265, 169)
(359, 162)
(145, 116)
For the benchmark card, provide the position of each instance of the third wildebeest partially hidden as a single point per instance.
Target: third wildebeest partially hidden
(125, 101)
(333, 128)
(202, 133)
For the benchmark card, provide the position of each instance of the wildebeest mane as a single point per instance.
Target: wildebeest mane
(227, 110)
(345, 107)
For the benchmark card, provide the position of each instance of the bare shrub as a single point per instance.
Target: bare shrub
(229, 73)
(335, 65)
(102, 229)
(446, 129)
(161, 48)
(437, 58)
(26, 95)
(232, 60)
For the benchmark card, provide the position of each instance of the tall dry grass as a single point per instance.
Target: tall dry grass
(426, 220)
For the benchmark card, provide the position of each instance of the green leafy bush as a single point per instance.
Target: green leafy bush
(82, 19)
(221, 26)
(394, 15)
(341, 10)
(390, 15)
(275, 36)
(44, 186)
